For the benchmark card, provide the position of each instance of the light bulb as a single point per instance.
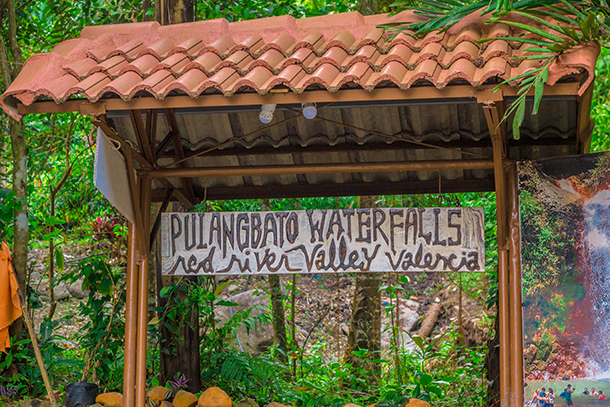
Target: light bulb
(309, 110)
(266, 114)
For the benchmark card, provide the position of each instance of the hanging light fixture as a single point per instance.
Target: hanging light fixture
(266, 114)
(309, 110)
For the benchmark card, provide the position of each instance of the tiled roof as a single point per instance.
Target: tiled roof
(331, 51)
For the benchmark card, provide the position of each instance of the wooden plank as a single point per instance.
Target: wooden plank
(323, 241)
(414, 95)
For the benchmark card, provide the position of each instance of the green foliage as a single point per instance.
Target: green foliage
(551, 28)
(600, 111)
(242, 10)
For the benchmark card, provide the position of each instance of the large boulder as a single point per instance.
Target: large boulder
(110, 399)
(246, 403)
(257, 340)
(407, 319)
(157, 394)
(417, 403)
(184, 399)
(215, 397)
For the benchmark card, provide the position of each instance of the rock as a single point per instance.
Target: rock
(408, 318)
(417, 403)
(258, 340)
(157, 394)
(34, 403)
(184, 399)
(215, 397)
(61, 291)
(246, 403)
(76, 289)
(110, 399)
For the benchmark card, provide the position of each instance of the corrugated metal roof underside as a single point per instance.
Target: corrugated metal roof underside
(462, 126)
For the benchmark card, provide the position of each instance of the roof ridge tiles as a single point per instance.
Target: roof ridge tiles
(331, 52)
(148, 29)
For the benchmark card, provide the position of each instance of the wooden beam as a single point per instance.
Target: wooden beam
(142, 327)
(179, 151)
(142, 135)
(179, 195)
(164, 144)
(321, 168)
(151, 128)
(166, 199)
(585, 122)
(494, 112)
(413, 95)
(516, 297)
(131, 318)
(334, 190)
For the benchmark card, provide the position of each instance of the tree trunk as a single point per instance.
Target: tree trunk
(277, 306)
(365, 326)
(174, 11)
(492, 367)
(10, 65)
(179, 345)
(21, 234)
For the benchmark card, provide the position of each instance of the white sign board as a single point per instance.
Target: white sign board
(323, 241)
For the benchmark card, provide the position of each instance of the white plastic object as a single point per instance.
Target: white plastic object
(266, 114)
(309, 110)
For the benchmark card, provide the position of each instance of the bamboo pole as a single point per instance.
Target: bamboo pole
(516, 309)
(142, 324)
(30, 327)
(129, 366)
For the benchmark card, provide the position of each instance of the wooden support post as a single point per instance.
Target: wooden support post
(129, 366)
(494, 113)
(142, 325)
(170, 116)
(516, 309)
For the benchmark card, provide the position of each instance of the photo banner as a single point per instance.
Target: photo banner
(323, 241)
(565, 226)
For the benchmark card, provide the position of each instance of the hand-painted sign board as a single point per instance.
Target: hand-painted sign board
(323, 241)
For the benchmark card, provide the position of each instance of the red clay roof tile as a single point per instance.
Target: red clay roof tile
(329, 51)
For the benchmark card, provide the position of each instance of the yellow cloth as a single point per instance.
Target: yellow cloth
(10, 308)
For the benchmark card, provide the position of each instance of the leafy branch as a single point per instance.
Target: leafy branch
(553, 28)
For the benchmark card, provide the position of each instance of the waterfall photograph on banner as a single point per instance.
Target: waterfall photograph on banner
(565, 219)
